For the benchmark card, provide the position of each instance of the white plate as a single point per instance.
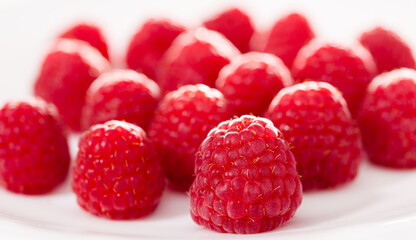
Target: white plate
(379, 204)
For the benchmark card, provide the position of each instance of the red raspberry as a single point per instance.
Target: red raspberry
(387, 119)
(121, 95)
(246, 178)
(34, 156)
(117, 173)
(89, 33)
(315, 120)
(348, 69)
(250, 82)
(235, 25)
(388, 49)
(181, 122)
(195, 57)
(65, 75)
(288, 36)
(150, 42)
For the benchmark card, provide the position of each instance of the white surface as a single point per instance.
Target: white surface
(379, 204)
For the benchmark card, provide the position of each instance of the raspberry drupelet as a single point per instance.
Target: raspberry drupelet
(182, 120)
(250, 82)
(246, 179)
(66, 73)
(34, 156)
(387, 119)
(117, 173)
(196, 56)
(149, 43)
(350, 69)
(121, 95)
(315, 120)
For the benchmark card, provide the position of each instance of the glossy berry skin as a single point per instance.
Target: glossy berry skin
(149, 43)
(121, 95)
(287, 36)
(34, 156)
(348, 69)
(387, 119)
(65, 75)
(388, 49)
(181, 122)
(117, 173)
(250, 82)
(195, 57)
(315, 120)
(89, 33)
(235, 25)
(246, 178)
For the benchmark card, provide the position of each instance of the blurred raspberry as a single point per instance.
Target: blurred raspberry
(315, 120)
(89, 33)
(235, 25)
(246, 178)
(288, 36)
(195, 57)
(121, 95)
(387, 119)
(34, 156)
(117, 173)
(149, 43)
(250, 82)
(348, 69)
(388, 49)
(181, 122)
(66, 73)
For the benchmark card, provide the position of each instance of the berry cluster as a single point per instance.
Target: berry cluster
(243, 121)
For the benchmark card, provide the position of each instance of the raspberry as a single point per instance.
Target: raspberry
(195, 57)
(250, 82)
(288, 36)
(388, 49)
(149, 43)
(121, 95)
(348, 69)
(315, 120)
(117, 173)
(181, 122)
(235, 25)
(89, 33)
(387, 119)
(34, 156)
(246, 179)
(66, 73)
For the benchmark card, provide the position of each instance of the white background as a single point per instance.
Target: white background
(379, 204)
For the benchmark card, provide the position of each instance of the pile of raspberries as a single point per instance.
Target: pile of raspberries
(242, 121)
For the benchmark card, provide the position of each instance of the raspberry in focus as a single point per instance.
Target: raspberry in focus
(149, 43)
(388, 49)
(387, 119)
(348, 69)
(250, 82)
(235, 25)
(182, 120)
(34, 156)
(315, 120)
(117, 173)
(66, 73)
(195, 57)
(90, 34)
(246, 179)
(288, 36)
(121, 95)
